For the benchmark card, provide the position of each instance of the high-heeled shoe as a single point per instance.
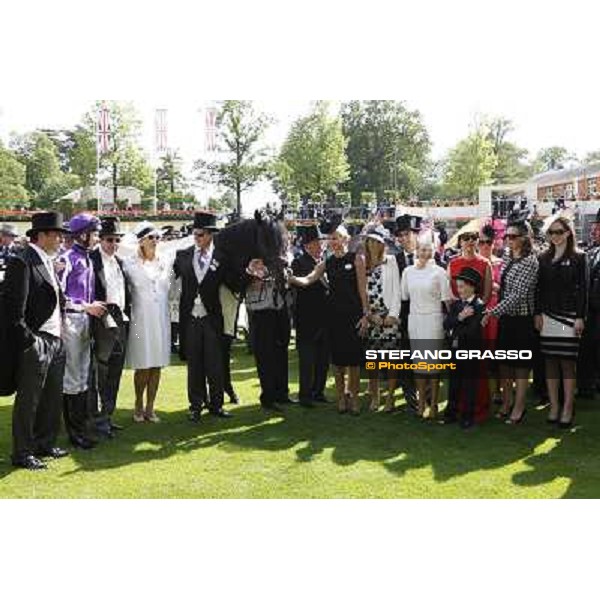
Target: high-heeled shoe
(567, 424)
(511, 421)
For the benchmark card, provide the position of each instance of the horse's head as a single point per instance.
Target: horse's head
(270, 243)
(261, 237)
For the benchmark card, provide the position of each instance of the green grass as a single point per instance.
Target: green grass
(313, 454)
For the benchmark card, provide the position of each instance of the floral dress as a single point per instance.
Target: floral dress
(380, 337)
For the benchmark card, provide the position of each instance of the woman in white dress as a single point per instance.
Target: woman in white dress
(149, 343)
(426, 286)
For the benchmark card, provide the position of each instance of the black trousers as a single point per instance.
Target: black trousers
(38, 402)
(174, 337)
(204, 364)
(313, 359)
(270, 340)
(462, 386)
(588, 362)
(226, 341)
(109, 357)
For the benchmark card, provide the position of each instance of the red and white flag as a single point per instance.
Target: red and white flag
(103, 130)
(210, 130)
(160, 130)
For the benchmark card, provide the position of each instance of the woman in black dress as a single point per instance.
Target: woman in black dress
(347, 312)
(561, 300)
(515, 310)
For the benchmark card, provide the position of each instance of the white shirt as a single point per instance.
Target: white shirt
(199, 310)
(115, 282)
(53, 325)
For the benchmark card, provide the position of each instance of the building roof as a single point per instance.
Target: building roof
(566, 175)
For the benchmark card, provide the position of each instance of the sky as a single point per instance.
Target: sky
(531, 62)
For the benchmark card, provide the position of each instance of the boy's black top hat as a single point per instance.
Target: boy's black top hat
(469, 275)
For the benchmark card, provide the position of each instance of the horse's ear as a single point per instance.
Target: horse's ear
(258, 216)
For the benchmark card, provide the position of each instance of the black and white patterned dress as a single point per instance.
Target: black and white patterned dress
(380, 337)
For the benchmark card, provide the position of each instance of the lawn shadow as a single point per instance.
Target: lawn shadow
(563, 459)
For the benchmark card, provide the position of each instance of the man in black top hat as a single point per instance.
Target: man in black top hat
(310, 318)
(202, 272)
(109, 331)
(33, 303)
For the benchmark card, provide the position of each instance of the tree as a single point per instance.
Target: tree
(12, 180)
(242, 156)
(224, 203)
(169, 174)
(134, 170)
(592, 157)
(470, 164)
(40, 157)
(313, 157)
(388, 147)
(55, 188)
(124, 163)
(511, 165)
(63, 141)
(82, 155)
(551, 159)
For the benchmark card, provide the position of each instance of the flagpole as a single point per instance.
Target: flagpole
(98, 203)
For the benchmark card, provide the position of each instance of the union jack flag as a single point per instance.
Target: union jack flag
(210, 130)
(103, 130)
(160, 129)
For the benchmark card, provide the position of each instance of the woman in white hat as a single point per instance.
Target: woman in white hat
(149, 343)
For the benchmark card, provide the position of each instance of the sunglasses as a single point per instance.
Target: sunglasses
(556, 231)
(512, 236)
(112, 240)
(153, 237)
(486, 242)
(469, 237)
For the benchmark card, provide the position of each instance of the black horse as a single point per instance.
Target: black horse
(260, 237)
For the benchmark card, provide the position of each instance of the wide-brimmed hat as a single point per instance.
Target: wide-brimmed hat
(469, 275)
(110, 226)
(8, 229)
(378, 233)
(46, 221)
(205, 220)
(83, 222)
(144, 229)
